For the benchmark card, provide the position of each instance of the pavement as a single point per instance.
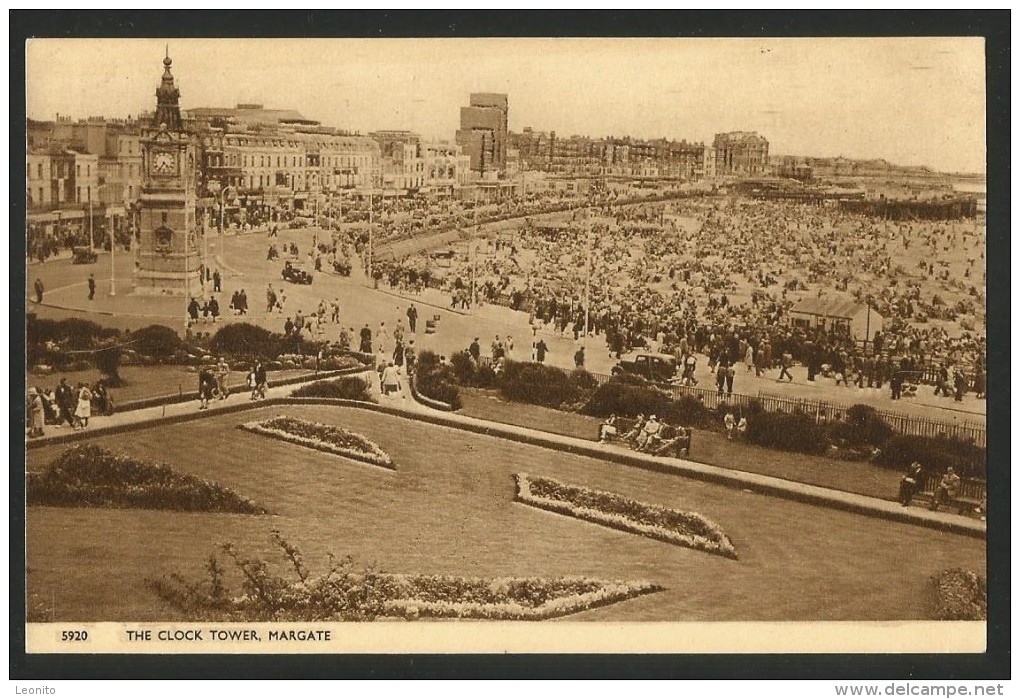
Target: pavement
(403, 404)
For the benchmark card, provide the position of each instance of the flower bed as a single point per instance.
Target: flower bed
(958, 594)
(328, 438)
(688, 529)
(523, 599)
(90, 476)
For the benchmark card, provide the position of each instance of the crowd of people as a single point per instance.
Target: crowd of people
(720, 277)
(65, 404)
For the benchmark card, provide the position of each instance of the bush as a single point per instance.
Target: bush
(90, 476)
(622, 395)
(244, 339)
(788, 432)
(347, 387)
(934, 453)
(863, 427)
(69, 333)
(531, 382)
(107, 360)
(156, 341)
(958, 594)
(436, 381)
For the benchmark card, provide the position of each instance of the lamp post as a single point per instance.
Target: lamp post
(223, 235)
(371, 278)
(587, 276)
(113, 251)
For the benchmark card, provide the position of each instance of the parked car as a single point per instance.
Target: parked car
(296, 273)
(654, 366)
(84, 256)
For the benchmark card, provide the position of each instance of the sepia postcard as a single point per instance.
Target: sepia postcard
(532, 345)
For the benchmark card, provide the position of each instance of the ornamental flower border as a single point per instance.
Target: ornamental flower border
(372, 453)
(605, 593)
(716, 541)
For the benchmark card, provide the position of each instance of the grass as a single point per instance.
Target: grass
(450, 511)
(707, 447)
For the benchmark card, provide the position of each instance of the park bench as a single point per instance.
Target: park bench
(677, 439)
(970, 497)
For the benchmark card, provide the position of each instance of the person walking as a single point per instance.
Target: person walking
(391, 380)
(579, 358)
(83, 410)
(206, 386)
(66, 403)
(222, 372)
(38, 290)
(540, 350)
(365, 345)
(36, 413)
(412, 318)
(92, 286)
(216, 279)
(784, 364)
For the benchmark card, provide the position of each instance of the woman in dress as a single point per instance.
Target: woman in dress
(83, 411)
(35, 413)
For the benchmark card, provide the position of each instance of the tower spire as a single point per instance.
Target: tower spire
(168, 110)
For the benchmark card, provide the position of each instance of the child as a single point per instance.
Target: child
(731, 423)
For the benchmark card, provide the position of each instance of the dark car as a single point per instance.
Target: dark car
(296, 274)
(84, 256)
(654, 366)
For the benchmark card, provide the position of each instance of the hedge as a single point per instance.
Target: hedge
(531, 382)
(157, 341)
(435, 380)
(90, 476)
(629, 396)
(349, 387)
(935, 454)
(787, 432)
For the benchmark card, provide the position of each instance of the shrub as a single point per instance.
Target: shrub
(863, 426)
(247, 340)
(622, 395)
(436, 381)
(958, 594)
(70, 333)
(90, 476)
(788, 432)
(156, 341)
(107, 360)
(934, 453)
(531, 382)
(348, 387)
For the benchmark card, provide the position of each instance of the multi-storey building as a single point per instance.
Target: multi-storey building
(740, 153)
(279, 158)
(629, 157)
(483, 134)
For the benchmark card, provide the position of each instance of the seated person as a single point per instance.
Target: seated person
(668, 439)
(647, 432)
(608, 428)
(946, 490)
(639, 425)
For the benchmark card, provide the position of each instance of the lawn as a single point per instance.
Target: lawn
(707, 448)
(448, 508)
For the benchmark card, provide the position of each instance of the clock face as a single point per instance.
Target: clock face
(164, 163)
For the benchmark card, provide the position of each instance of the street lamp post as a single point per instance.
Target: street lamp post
(223, 235)
(113, 251)
(371, 278)
(587, 275)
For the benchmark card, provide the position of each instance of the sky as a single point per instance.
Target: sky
(912, 101)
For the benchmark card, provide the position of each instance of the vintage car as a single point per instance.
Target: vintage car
(296, 273)
(654, 366)
(84, 255)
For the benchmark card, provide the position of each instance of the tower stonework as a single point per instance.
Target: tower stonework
(169, 259)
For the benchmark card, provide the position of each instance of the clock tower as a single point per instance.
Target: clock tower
(169, 259)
